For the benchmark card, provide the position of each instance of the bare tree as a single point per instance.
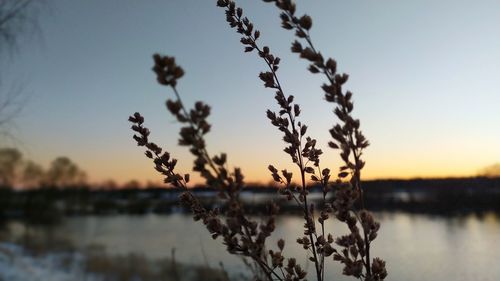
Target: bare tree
(492, 171)
(64, 173)
(32, 175)
(12, 101)
(17, 18)
(10, 164)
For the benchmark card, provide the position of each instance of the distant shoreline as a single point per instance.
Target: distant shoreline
(454, 196)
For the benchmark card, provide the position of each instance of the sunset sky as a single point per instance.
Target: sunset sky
(425, 76)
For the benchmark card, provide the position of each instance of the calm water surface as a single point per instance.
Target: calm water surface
(416, 247)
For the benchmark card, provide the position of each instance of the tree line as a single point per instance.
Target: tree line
(18, 172)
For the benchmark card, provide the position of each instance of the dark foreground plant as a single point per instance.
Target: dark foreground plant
(243, 235)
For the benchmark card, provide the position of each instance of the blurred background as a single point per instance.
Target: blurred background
(80, 201)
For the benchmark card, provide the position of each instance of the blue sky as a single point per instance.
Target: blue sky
(425, 77)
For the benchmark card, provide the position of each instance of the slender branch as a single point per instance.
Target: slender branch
(196, 129)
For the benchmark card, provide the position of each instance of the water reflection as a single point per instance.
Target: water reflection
(416, 247)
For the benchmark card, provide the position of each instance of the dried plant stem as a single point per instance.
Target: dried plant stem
(357, 172)
(242, 235)
(301, 166)
(348, 138)
(251, 40)
(194, 127)
(308, 219)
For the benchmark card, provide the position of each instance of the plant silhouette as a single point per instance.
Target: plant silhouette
(242, 234)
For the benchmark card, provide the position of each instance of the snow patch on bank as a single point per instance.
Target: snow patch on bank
(16, 264)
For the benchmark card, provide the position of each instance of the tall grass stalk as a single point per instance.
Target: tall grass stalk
(243, 235)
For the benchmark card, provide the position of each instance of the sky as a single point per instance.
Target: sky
(425, 76)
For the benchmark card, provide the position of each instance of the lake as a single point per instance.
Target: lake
(415, 247)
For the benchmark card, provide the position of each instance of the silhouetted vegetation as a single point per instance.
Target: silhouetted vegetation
(491, 171)
(38, 195)
(18, 18)
(32, 193)
(444, 197)
(242, 234)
